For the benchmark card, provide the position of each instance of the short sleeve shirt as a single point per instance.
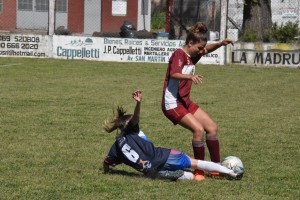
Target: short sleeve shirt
(178, 91)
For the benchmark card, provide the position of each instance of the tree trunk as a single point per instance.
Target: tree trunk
(257, 17)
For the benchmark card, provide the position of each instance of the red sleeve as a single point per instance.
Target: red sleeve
(177, 62)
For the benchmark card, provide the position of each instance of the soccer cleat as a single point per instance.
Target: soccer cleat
(216, 175)
(170, 175)
(239, 176)
(199, 175)
(235, 176)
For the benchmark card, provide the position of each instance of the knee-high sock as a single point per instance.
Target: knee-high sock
(199, 151)
(213, 148)
(212, 167)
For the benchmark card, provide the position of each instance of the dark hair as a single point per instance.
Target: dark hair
(195, 37)
(118, 121)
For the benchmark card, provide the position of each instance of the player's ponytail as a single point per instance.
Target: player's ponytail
(199, 27)
(118, 121)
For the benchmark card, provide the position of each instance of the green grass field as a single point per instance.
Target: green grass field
(52, 144)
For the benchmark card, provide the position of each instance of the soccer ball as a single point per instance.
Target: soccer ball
(234, 163)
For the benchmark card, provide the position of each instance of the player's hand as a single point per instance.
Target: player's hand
(106, 168)
(137, 95)
(197, 79)
(226, 42)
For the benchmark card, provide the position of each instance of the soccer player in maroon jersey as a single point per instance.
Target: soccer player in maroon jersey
(176, 103)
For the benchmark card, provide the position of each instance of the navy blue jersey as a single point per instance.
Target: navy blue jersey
(130, 149)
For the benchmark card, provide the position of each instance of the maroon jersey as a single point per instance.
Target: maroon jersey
(178, 91)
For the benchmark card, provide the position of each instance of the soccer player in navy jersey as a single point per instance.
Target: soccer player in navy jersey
(132, 148)
(176, 103)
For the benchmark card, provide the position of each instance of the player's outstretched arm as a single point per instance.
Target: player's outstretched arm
(211, 47)
(137, 96)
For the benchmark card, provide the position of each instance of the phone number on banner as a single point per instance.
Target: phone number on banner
(19, 42)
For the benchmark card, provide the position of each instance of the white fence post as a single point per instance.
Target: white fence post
(51, 20)
(223, 31)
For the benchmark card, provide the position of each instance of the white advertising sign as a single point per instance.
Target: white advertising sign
(70, 47)
(265, 54)
(120, 49)
(18, 45)
(139, 50)
(147, 50)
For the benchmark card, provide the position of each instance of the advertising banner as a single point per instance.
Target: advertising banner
(18, 45)
(268, 54)
(120, 49)
(72, 47)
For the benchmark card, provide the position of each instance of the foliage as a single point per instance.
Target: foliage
(250, 36)
(52, 144)
(284, 33)
(158, 20)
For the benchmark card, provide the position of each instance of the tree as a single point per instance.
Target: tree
(257, 18)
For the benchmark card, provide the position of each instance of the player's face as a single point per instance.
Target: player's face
(196, 48)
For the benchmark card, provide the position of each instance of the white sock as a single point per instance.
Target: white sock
(212, 167)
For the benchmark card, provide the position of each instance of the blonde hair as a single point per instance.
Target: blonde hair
(118, 120)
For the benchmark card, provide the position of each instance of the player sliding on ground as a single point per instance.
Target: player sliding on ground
(134, 149)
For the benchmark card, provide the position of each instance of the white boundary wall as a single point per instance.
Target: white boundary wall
(94, 48)
(142, 50)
